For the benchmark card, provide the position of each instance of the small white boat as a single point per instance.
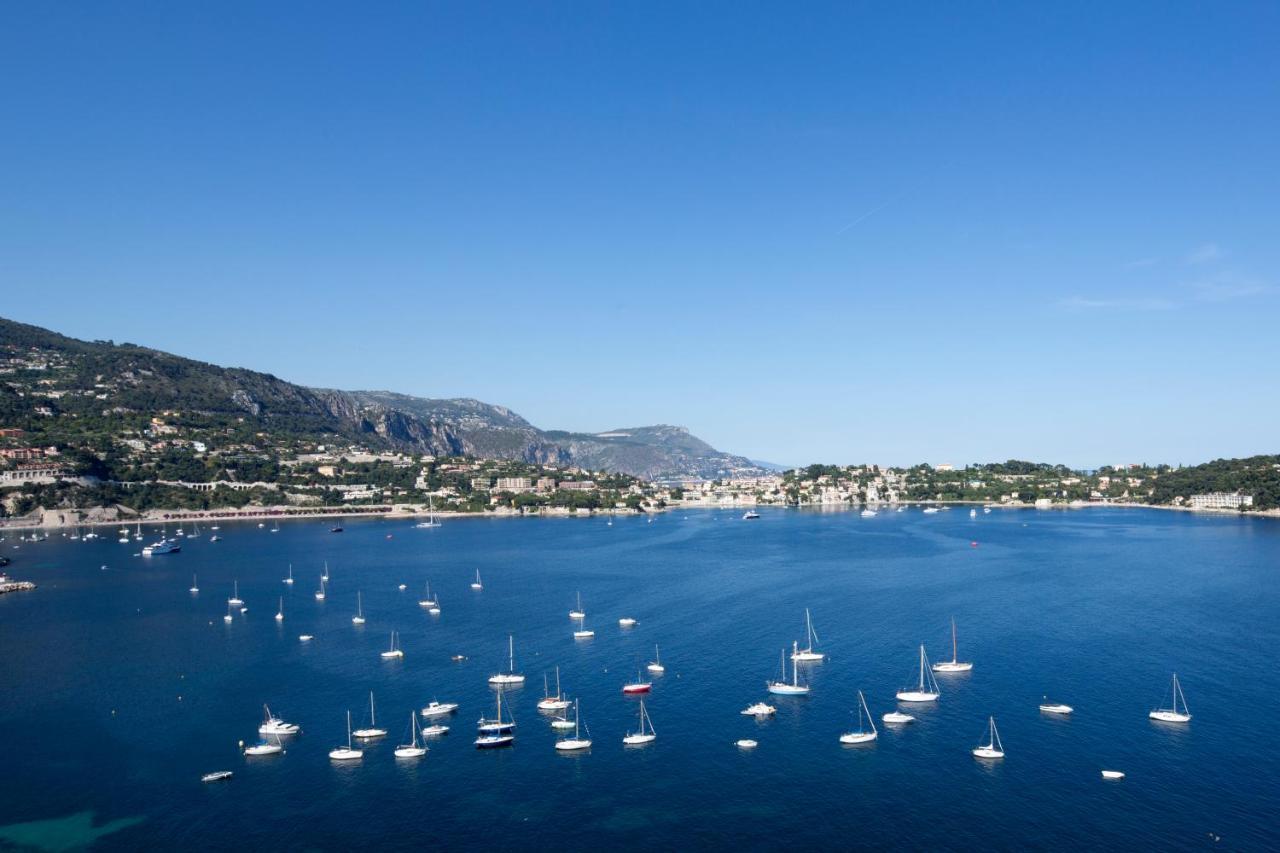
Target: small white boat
(434, 731)
(195, 587)
(781, 687)
(577, 612)
(628, 622)
(216, 776)
(973, 513)
(395, 651)
(953, 665)
(273, 725)
(894, 718)
(320, 593)
(280, 611)
(476, 584)
(986, 510)
(868, 513)
(427, 600)
(510, 676)
(411, 749)
(641, 737)
(346, 753)
(807, 654)
(439, 709)
(746, 743)
(561, 723)
(583, 634)
(655, 665)
(264, 747)
(358, 619)
(1055, 707)
(926, 690)
(305, 638)
(1172, 714)
(227, 618)
(759, 709)
(435, 610)
(402, 587)
(1112, 774)
(372, 730)
(930, 510)
(289, 579)
(235, 600)
(992, 748)
(577, 742)
(861, 735)
(750, 515)
(551, 702)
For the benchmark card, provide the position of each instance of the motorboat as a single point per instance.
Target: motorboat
(759, 709)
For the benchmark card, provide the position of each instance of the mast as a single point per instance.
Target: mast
(954, 656)
(558, 696)
(795, 668)
(349, 727)
(373, 723)
(511, 653)
(922, 668)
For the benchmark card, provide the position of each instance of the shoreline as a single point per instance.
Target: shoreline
(93, 517)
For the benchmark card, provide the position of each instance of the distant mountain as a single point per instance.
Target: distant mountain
(103, 385)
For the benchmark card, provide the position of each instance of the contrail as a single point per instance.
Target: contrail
(872, 212)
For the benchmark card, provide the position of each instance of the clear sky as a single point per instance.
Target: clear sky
(844, 232)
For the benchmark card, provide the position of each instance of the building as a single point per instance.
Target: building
(33, 472)
(546, 484)
(479, 484)
(514, 484)
(1221, 500)
(578, 485)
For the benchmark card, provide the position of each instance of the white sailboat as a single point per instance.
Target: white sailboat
(641, 737)
(431, 516)
(411, 749)
(137, 533)
(434, 609)
(265, 747)
(395, 651)
(578, 612)
(234, 600)
(427, 600)
(655, 665)
(551, 702)
(289, 579)
(372, 730)
(993, 748)
(273, 725)
(1173, 715)
(808, 654)
(280, 611)
(495, 732)
(358, 619)
(926, 690)
(476, 584)
(953, 665)
(325, 577)
(861, 735)
(195, 587)
(583, 633)
(346, 753)
(510, 676)
(794, 688)
(320, 593)
(577, 742)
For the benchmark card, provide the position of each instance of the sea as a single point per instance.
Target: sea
(119, 688)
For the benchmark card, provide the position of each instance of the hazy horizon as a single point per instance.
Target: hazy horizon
(838, 234)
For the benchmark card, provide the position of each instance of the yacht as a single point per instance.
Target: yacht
(868, 513)
(346, 753)
(227, 618)
(930, 510)
(926, 690)
(577, 742)
(395, 651)
(235, 600)
(759, 709)
(561, 723)
(637, 686)
(992, 748)
(264, 747)
(411, 749)
(794, 688)
(372, 731)
(655, 666)
(164, 546)
(273, 725)
(750, 515)
(897, 718)
(1173, 715)
(973, 513)
(583, 634)
(1112, 774)
(1055, 707)
(305, 638)
(746, 743)
(953, 665)
(195, 588)
(216, 776)
(861, 735)
(476, 584)
(427, 600)
(551, 702)
(510, 676)
(431, 516)
(280, 610)
(807, 655)
(434, 730)
(289, 579)
(358, 619)
(641, 737)
(578, 612)
(495, 732)
(439, 709)
(320, 593)
(627, 622)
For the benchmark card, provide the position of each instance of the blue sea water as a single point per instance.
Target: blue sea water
(119, 688)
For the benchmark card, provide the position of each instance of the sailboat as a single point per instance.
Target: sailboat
(427, 601)
(195, 587)
(346, 753)
(1173, 715)
(273, 725)
(953, 665)
(227, 618)
(571, 744)
(510, 676)
(637, 686)
(411, 749)
(325, 577)
(372, 731)
(434, 609)
(320, 592)
(358, 619)
(973, 513)
(926, 690)
(495, 732)
(265, 747)
(808, 654)
(280, 612)
(137, 533)
(655, 665)
(275, 528)
(234, 600)
(550, 702)
(289, 579)
(861, 735)
(583, 633)
(993, 748)
(475, 584)
(394, 651)
(641, 736)
(781, 687)
(431, 515)
(578, 612)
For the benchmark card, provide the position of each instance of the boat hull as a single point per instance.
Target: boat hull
(494, 742)
(1169, 717)
(443, 709)
(808, 657)
(345, 754)
(987, 752)
(1057, 709)
(916, 696)
(952, 666)
(788, 690)
(857, 738)
(894, 718)
(369, 733)
(636, 688)
(639, 740)
(506, 679)
(573, 745)
(410, 752)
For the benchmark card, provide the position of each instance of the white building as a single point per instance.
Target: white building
(1221, 500)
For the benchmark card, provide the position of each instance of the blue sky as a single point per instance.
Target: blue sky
(846, 232)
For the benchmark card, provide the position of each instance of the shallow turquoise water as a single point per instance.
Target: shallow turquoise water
(119, 688)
